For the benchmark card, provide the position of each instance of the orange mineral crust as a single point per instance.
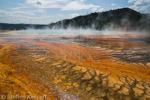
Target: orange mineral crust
(86, 57)
(74, 67)
(14, 79)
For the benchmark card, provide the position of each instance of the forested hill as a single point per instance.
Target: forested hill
(6, 26)
(124, 18)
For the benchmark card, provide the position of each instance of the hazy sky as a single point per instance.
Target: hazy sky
(47, 11)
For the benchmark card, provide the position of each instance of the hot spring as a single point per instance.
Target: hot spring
(63, 31)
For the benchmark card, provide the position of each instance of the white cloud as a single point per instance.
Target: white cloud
(27, 17)
(113, 4)
(32, 11)
(82, 0)
(94, 9)
(101, 10)
(16, 12)
(62, 4)
(75, 5)
(39, 10)
(47, 3)
(140, 5)
(130, 1)
(74, 15)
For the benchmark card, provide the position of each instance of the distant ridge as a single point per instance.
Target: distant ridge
(124, 18)
(7, 26)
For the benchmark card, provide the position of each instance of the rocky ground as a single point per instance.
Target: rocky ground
(75, 68)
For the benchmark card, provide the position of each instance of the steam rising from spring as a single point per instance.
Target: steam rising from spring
(88, 31)
(68, 31)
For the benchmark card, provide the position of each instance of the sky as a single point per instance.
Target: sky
(48, 11)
